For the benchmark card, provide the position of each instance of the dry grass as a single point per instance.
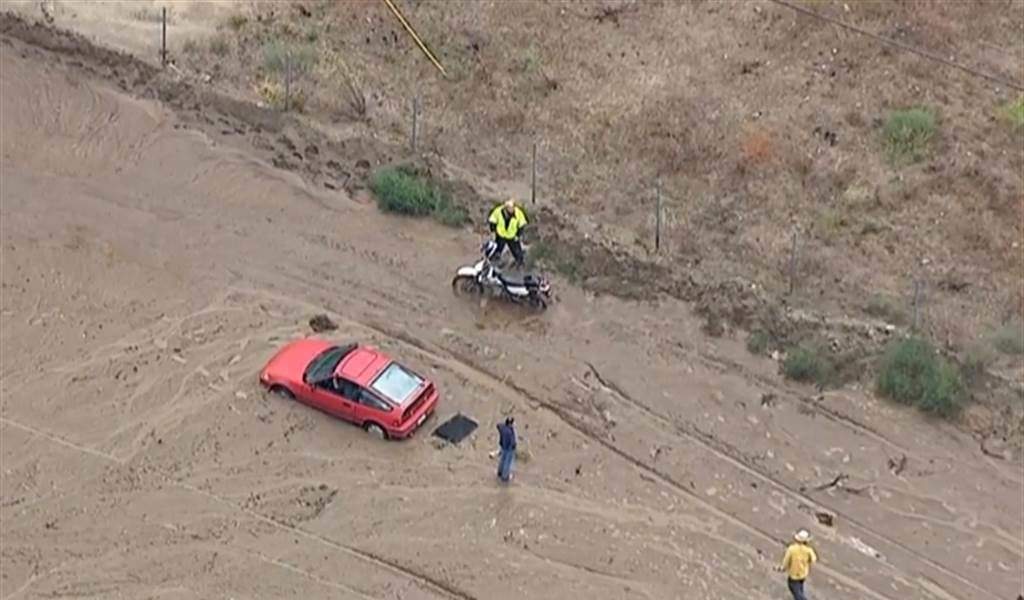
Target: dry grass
(344, 90)
(757, 148)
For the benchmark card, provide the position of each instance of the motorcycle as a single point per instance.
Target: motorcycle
(483, 277)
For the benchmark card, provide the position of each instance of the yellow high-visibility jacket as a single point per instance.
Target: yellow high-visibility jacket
(507, 228)
(798, 560)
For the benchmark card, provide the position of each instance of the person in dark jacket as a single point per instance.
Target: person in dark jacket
(507, 445)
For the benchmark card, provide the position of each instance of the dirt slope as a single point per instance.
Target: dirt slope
(149, 268)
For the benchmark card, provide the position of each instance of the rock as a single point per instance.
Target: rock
(608, 417)
(321, 323)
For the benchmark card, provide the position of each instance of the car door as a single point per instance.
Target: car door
(346, 402)
(371, 407)
(328, 395)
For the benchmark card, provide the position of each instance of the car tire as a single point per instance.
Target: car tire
(376, 431)
(283, 392)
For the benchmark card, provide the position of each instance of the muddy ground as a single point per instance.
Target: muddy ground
(153, 259)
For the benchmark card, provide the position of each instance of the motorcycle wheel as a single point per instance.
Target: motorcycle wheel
(464, 285)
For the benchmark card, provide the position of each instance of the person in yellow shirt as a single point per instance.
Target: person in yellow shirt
(796, 563)
(507, 221)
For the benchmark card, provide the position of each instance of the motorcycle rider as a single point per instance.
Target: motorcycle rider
(506, 222)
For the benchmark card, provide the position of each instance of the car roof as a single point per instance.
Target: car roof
(362, 364)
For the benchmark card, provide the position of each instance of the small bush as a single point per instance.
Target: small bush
(1010, 339)
(530, 60)
(912, 373)
(757, 147)
(1015, 113)
(830, 223)
(886, 307)
(219, 45)
(808, 365)
(273, 94)
(341, 82)
(289, 62)
(758, 342)
(976, 360)
(908, 134)
(451, 215)
(402, 192)
(237, 22)
(152, 14)
(543, 253)
(283, 58)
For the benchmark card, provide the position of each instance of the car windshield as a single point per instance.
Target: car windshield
(322, 367)
(396, 382)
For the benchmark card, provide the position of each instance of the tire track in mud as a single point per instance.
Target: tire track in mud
(428, 582)
(732, 456)
(726, 366)
(721, 451)
(491, 379)
(425, 581)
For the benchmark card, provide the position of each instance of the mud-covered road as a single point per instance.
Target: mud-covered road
(149, 270)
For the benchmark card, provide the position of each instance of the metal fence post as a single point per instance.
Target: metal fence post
(533, 176)
(415, 121)
(657, 216)
(163, 39)
(917, 303)
(792, 264)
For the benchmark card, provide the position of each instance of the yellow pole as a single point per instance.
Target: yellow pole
(419, 42)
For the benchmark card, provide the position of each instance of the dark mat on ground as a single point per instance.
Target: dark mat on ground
(456, 428)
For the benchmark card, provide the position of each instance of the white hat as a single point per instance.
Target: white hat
(802, 536)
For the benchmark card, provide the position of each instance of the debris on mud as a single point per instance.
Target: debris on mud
(836, 481)
(321, 323)
(896, 465)
(825, 518)
(994, 448)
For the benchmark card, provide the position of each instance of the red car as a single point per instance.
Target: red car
(352, 382)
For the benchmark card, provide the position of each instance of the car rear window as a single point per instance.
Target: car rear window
(397, 383)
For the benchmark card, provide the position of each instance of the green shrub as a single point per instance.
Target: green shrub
(908, 134)
(284, 58)
(1010, 338)
(451, 214)
(976, 360)
(219, 45)
(236, 22)
(912, 373)
(402, 192)
(809, 365)
(882, 306)
(543, 253)
(758, 342)
(1015, 113)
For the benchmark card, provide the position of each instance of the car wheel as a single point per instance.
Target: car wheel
(283, 392)
(376, 431)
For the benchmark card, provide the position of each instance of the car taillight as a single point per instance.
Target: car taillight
(411, 409)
